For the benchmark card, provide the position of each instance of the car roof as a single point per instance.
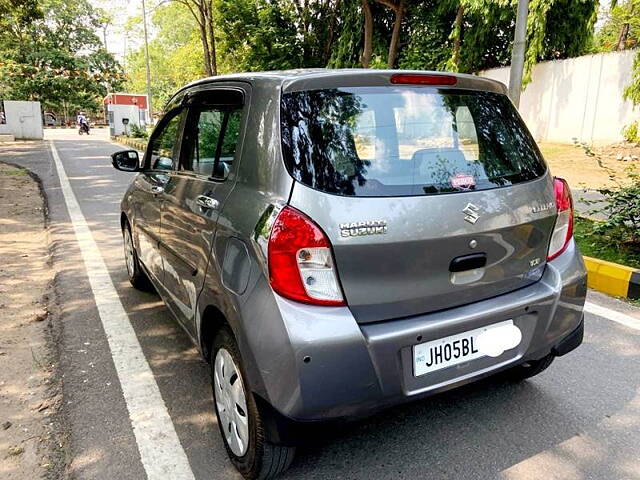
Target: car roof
(318, 78)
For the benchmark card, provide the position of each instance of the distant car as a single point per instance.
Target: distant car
(336, 242)
(50, 119)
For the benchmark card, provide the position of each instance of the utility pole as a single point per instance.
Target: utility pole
(146, 52)
(518, 51)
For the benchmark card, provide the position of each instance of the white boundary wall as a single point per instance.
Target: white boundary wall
(577, 98)
(24, 120)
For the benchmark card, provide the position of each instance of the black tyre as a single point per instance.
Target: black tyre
(529, 369)
(137, 277)
(239, 419)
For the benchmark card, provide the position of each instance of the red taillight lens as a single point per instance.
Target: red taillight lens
(563, 230)
(423, 79)
(300, 261)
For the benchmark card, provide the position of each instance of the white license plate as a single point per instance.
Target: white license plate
(448, 351)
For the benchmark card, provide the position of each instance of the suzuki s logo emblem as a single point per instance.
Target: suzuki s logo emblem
(471, 214)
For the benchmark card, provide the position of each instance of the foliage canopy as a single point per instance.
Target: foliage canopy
(49, 51)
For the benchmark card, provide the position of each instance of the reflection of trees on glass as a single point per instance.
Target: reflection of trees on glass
(506, 150)
(405, 141)
(317, 135)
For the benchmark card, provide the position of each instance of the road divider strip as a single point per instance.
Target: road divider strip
(612, 278)
(160, 450)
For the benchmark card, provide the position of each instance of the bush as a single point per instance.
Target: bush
(137, 131)
(622, 212)
(630, 133)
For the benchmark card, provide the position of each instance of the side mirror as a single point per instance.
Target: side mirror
(126, 160)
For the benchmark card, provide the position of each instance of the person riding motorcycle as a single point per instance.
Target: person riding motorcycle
(83, 123)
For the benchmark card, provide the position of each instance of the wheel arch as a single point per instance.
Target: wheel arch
(124, 220)
(211, 321)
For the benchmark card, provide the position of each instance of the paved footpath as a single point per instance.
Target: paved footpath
(578, 420)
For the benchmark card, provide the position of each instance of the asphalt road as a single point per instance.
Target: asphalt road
(578, 420)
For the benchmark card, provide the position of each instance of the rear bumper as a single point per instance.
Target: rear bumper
(570, 342)
(329, 367)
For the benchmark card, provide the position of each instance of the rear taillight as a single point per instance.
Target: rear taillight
(423, 79)
(563, 229)
(300, 261)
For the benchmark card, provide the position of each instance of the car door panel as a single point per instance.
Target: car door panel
(193, 199)
(150, 184)
(187, 233)
(147, 221)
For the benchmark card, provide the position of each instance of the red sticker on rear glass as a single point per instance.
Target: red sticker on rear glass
(463, 181)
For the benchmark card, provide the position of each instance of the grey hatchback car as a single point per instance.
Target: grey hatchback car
(339, 241)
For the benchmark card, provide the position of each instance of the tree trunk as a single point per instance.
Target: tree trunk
(395, 36)
(368, 34)
(457, 38)
(205, 43)
(622, 38)
(202, 11)
(332, 30)
(212, 40)
(624, 31)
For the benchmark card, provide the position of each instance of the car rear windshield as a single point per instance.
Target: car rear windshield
(406, 140)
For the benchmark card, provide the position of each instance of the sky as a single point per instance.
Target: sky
(121, 10)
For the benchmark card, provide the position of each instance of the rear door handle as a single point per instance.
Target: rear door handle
(207, 202)
(468, 262)
(156, 189)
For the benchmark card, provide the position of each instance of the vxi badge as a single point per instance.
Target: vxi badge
(358, 229)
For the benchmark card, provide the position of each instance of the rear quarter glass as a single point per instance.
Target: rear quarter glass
(405, 141)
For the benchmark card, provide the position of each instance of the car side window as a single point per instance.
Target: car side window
(163, 145)
(211, 137)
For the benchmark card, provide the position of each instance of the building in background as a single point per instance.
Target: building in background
(122, 110)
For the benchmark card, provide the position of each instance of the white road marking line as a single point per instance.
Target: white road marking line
(160, 450)
(618, 317)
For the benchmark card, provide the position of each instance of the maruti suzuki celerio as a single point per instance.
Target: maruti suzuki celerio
(340, 241)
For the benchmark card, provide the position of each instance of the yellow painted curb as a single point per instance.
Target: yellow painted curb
(136, 143)
(612, 278)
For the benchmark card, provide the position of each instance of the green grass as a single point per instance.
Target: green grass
(17, 172)
(598, 246)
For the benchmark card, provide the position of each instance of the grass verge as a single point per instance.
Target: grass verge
(598, 246)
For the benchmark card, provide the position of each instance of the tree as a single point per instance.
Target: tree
(462, 35)
(269, 34)
(398, 8)
(621, 30)
(52, 54)
(628, 16)
(175, 54)
(202, 12)
(105, 19)
(473, 35)
(17, 13)
(367, 49)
